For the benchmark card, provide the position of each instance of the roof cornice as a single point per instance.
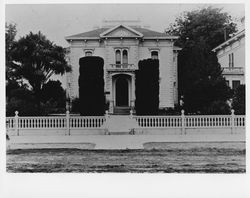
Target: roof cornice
(144, 38)
(102, 35)
(229, 41)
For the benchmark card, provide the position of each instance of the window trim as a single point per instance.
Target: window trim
(121, 49)
(151, 53)
(154, 49)
(88, 50)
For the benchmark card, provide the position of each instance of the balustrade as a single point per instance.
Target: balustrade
(124, 66)
(96, 122)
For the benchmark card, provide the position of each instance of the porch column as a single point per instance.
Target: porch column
(111, 98)
(132, 102)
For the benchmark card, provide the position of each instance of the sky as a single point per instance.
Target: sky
(59, 20)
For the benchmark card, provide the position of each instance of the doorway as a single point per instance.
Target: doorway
(121, 90)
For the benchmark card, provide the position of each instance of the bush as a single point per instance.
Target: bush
(53, 93)
(147, 87)
(24, 108)
(91, 86)
(239, 100)
(170, 111)
(218, 108)
(75, 105)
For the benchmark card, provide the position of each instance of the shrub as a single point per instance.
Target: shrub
(218, 108)
(53, 93)
(91, 86)
(147, 87)
(239, 100)
(75, 105)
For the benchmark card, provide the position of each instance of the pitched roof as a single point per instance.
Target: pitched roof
(232, 39)
(149, 33)
(92, 33)
(96, 33)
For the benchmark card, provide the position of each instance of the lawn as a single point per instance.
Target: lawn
(222, 157)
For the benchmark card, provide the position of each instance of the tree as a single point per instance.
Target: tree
(200, 78)
(239, 100)
(208, 25)
(10, 34)
(37, 59)
(18, 96)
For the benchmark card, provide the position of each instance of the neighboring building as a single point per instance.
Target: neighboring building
(231, 56)
(122, 47)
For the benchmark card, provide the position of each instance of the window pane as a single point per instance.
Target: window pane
(125, 57)
(118, 57)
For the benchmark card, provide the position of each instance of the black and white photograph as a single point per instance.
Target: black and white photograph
(119, 88)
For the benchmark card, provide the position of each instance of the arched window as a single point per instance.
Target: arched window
(125, 57)
(88, 53)
(154, 55)
(117, 57)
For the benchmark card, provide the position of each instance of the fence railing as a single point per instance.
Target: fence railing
(158, 121)
(183, 122)
(191, 121)
(77, 122)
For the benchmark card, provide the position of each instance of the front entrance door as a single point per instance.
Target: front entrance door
(121, 91)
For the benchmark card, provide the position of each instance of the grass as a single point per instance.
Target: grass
(155, 158)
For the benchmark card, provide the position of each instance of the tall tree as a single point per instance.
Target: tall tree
(208, 25)
(200, 79)
(10, 34)
(199, 73)
(37, 59)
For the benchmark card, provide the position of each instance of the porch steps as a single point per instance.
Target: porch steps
(120, 124)
(121, 110)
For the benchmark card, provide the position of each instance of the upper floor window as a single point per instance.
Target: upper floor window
(88, 53)
(231, 59)
(154, 55)
(125, 57)
(117, 57)
(121, 56)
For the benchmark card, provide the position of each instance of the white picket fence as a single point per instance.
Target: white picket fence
(183, 122)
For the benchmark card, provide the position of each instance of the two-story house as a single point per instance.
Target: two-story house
(122, 47)
(231, 56)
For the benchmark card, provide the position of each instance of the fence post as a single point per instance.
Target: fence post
(16, 123)
(106, 126)
(183, 131)
(131, 113)
(232, 121)
(67, 122)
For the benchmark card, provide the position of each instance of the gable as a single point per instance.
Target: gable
(121, 31)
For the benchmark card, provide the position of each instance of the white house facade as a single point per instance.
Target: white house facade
(122, 47)
(231, 56)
